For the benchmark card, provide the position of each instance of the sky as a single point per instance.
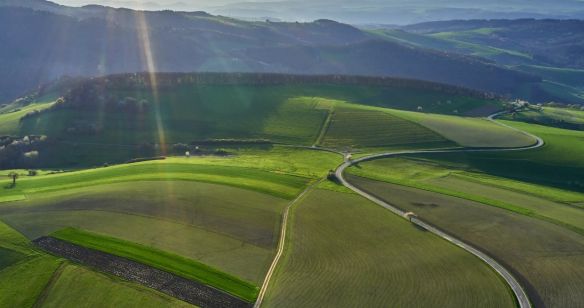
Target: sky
(361, 11)
(194, 4)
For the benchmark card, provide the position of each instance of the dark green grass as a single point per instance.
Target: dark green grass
(548, 258)
(344, 251)
(201, 112)
(557, 164)
(185, 114)
(9, 257)
(181, 266)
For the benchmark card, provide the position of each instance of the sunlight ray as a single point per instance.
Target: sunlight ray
(143, 32)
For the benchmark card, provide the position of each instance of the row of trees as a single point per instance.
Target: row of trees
(21, 152)
(168, 80)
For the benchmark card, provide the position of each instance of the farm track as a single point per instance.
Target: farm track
(518, 290)
(281, 245)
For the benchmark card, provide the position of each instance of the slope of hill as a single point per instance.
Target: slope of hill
(117, 118)
(557, 43)
(550, 49)
(43, 44)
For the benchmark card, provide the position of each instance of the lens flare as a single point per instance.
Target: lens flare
(148, 59)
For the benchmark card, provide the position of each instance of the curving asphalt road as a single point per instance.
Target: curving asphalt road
(515, 286)
(517, 289)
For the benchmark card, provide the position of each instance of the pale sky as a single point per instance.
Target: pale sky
(194, 4)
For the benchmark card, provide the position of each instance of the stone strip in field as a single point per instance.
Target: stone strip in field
(173, 285)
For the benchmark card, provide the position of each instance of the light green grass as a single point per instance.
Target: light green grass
(10, 122)
(79, 287)
(546, 257)
(11, 239)
(21, 284)
(345, 251)
(162, 260)
(286, 186)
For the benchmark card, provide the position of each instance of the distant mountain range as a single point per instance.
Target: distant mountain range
(364, 11)
(43, 41)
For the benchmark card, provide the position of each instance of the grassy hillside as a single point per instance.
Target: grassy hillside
(334, 259)
(546, 256)
(448, 41)
(355, 126)
(571, 77)
(10, 118)
(118, 118)
(177, 196)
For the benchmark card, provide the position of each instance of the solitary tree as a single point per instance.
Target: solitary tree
(13, 176)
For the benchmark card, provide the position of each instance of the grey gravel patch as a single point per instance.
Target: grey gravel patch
(187, 290)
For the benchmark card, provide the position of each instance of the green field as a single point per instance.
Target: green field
(547, 257)
(333, 259)
(226, 209)
(188, 113)
(554, 117)
(230, 229)
(23, 283)
(290, 114)
(216, 218)
(40, 280)
(277, 184)
(10, 121)
(469, 132)
(558, 163)
(353, 127)
(75, 281)
(557, 206)
(181, 266)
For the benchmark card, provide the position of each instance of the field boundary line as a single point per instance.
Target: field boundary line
(506, 275)
(281, 244)
(47, 289)
(325, 126)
